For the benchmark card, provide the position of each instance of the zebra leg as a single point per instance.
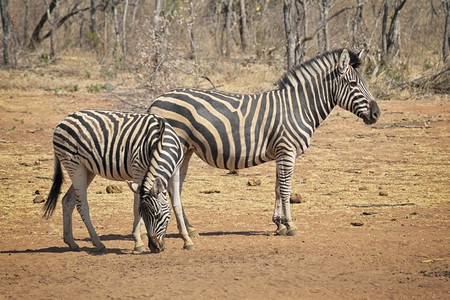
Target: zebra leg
(277, 211)
(174, 192)
(183, 172)
(282, 211)
(81, 179)
(68, 203)
(137, 226)
(142, 228)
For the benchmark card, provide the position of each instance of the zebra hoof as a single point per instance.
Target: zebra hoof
(193, 232)
(139, 249)
(101, 250)
(282, 231)
(292, 232)
(74, 248)
(188, 247)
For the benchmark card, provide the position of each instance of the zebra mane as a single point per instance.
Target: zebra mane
(290, 78)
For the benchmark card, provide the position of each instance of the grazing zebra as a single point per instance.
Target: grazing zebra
(118, 146)
(233, 131)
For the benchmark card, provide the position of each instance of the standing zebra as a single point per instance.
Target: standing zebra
(232, 131)
(118, 146)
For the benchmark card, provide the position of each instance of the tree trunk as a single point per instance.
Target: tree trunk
(295, 35)
(290, 41)
(390, 39)
(105, 28)
(393, 40)
(217, 26)
(35, 36)
(326, 40)
(53, 24)
(243, 26)
(124, 31)
(26, 20)
(323, 39)
(116, 30)
(228, 28)
(133, 18)
(384, 29)
(81, 33)
(302, 30)
(6, 23)
(193, 54)
(93, 25)
(446, 41)
(358, 39)
(157, 17)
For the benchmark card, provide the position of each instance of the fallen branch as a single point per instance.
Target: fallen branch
(438, 82)
(44, 177)
(364, 205)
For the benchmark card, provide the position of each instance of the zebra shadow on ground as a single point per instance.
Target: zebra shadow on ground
(243, 233)
(89, 249)
(127, 237)
(61, 250)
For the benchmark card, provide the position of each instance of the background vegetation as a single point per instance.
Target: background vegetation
(145, 47)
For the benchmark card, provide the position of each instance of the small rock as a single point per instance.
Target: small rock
(254, 182)
(369, 213)
(296, 198)
(37, 192)
(233, 172)
(383, 193)
(113, 189)
(357, 223)
(210, 192)
(38, 199)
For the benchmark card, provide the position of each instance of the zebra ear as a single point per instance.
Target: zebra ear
(134, 187)
(158, 186)
(344, 61)
(360, 53)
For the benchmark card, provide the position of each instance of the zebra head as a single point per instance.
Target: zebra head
(154, 210)
(351, 92)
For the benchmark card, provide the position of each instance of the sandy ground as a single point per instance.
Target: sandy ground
(392, 179)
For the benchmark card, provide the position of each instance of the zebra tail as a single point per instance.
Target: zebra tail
(58, 179)
(162, 129)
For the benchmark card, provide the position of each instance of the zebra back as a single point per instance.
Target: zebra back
(114, 145)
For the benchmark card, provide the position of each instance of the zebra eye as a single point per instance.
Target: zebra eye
(352, 84)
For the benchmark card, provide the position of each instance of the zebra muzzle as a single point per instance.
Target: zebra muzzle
(372, 114)
(155, 244)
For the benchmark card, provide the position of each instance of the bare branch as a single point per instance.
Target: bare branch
(63, 20)
(322, 25)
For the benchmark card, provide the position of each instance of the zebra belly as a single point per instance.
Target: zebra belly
(115, 172)
(238, 156)
(227, 143)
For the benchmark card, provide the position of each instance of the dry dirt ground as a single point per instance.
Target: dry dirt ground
(392, 179)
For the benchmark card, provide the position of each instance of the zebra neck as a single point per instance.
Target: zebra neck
(312, 103)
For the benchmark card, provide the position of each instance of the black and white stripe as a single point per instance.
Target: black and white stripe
(234, 131)
(117, 146)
